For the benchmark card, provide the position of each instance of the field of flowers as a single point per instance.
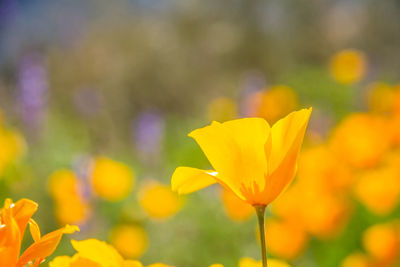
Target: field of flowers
(154, 134)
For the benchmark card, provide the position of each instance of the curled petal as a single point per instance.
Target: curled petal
(186, 180)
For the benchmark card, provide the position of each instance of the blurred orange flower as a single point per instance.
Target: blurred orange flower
(361, 139)
(251, 158)
(285, 239)
(379, 189)
(348, 66)
(382, 241)
(14, 219)
(273, 103)
(357, 260)
(381, 98)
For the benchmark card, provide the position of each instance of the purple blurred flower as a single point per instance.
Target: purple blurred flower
(32, 90)
(148, 135)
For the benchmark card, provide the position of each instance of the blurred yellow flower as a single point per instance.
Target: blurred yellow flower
(381, 97)
(357, 260)
(158, 201)
(249, 262)
(93, 253)
(274, 103)
(130, 240)
(159, 265)
(216, 265)
(112, 180)
(285, 239)
(14, 217)
(379, 189)
(222, 109)
(252, 159)
(348, 66)
(66, 190)
(382, 241)
(237, 209)
(361, 139)
(12, 146)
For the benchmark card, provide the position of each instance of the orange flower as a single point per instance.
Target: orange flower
(14, 219)
(252, 159)
(361, 139)
(285, 239)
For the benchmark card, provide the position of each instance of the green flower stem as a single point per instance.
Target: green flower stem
(260, 210)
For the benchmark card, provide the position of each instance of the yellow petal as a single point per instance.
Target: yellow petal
(186, 180)
(35, 230)
(236, 151)
(45, 246)
(99, 252)
(282, 152)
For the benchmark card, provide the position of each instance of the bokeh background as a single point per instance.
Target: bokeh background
(97, 98)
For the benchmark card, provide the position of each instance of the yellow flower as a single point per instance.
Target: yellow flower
(382, 241)
(361, 139)
(93, 253)
(131, 241)
(13, 220)
(236, 209)
(252, 159)
(159, 265)
(112, 180)
(356, 260)
(348, 66)
(379, 189)
(222, 109)
(274, 103)
(249, 262)
(12, 146)
(66, 190)
(216, 265)
(158, 201)
(285, 239)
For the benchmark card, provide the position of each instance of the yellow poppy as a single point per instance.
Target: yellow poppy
(14, 219)
(93, 253)
(252, 159)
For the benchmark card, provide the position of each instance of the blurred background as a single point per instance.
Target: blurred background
(97, 98)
